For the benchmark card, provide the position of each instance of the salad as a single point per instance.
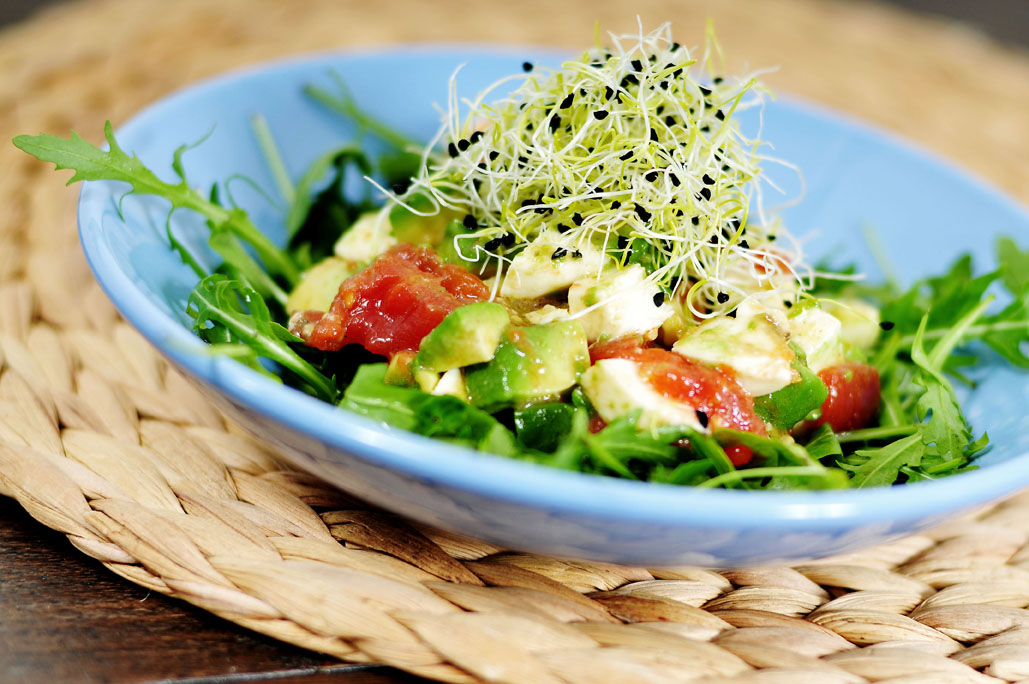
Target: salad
(582, 274)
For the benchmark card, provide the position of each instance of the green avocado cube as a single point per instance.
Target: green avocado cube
(468, 335)
(531, 364)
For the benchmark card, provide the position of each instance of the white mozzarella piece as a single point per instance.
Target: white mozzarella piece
(753, 348)
(860, 321)
(370, 236)
(546, 314)
(535, 272)
(624, 303)
(451, 383)
(615, 388)
(817, 334)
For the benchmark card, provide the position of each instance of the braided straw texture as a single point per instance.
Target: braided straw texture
(101, 440)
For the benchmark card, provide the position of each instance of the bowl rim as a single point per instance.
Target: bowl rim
(497, 477)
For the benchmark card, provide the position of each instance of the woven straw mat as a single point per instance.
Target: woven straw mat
(101, 440)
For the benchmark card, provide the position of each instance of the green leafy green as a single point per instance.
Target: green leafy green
(228, 312)
(92, 163)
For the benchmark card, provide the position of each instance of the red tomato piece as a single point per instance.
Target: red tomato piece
(739, 455)
(395, 302)
(711, 391)
(853, 396)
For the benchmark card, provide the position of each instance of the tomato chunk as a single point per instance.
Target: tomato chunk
(853, 396)
(395, 302)
(713, 392)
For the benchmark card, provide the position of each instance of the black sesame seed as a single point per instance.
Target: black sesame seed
(616, 204)
(463, 144)
(475, 137)
(493, 244)
(705, 193)
(469, 222)
(526, 66)
(708, 180)
(559, 253)
(642, 213)
(452, 149)
(695, 220)
(637, 65)
(659, 299)
(669, 120)
(788, 303)
(493, 155)
(508, 239)
(567, 102)
(886, 325)
(577, 219)
(720, 115)
(675, 179)
(663, 85)
(555, 122)
(627, 156)
(702, 418)
(722, 298)
(600, 114)
(651, 176)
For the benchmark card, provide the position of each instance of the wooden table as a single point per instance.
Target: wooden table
(65, 618)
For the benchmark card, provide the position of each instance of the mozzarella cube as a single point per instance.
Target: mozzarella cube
(616, 388)
(860, 321)
(753, 348)
(451, 383)
(624, 302)
(817, 334)
(550, 263)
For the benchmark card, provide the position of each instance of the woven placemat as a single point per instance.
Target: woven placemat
(101, 440)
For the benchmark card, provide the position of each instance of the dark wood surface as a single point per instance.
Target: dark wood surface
(66, 618)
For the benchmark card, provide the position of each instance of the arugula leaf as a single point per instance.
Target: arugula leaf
(91, 163)
(823, 443)
(227, 311)
(880, 467)
(1014, 266)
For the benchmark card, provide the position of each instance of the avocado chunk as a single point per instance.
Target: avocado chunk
(469, 334)
(531, 364)
(319, 285)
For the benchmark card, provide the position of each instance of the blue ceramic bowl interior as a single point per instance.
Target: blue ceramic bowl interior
(924, 211)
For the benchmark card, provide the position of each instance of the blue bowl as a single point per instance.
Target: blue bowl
(925, 211)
